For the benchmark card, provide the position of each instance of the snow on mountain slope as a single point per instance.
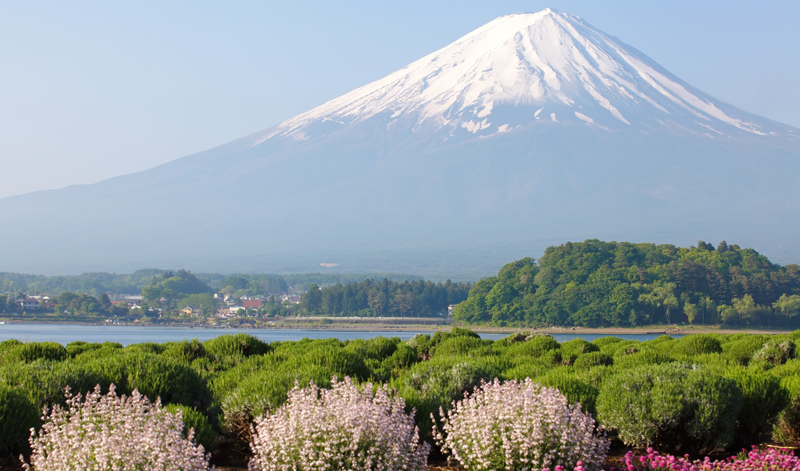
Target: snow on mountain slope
(547, 65)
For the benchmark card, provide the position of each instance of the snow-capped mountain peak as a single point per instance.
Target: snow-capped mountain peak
(528, 67)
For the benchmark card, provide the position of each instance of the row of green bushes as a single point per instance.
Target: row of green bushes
(694, 394)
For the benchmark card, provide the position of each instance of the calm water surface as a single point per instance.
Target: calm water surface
(127, 335)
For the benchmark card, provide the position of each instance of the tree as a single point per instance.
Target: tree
(668, 299)
(105, 302)
(709, 307)
(789, 306)
(207, 303)
(691, 311)
(312, 300)
(726, 313)
(744, 307)
(661, 296)
(377, 301)
(404, 302)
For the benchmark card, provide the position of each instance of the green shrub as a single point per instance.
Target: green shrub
(570, 386)
(695, 344)
(530, 369)
(742, 348)
(661, 339)
(44, 381)
(377, 348)
(146, 347)
(103, 350)
(533, 348)
(554, 358)
(402, 358)
(333, 358)
(185, 351)
(594, 375)
(17, 416)
(775, 352)
(429, 385)
(512, 338)
(643, 357)
(421, 344)
(76, 348)
(204, 433)
(787, 427)
(238, 344)
(154, 376)
(462, 345)
(6, 344)
(763, 399)
(671, 408)
(578, 347)
(223, 383)
(31, 351)
(460, 331)
(605, 342)
(592, 359)
(623, 347)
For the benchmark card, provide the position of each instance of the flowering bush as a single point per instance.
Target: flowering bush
(341, 428)
(520, 425)
(770, 460)
(108, 432)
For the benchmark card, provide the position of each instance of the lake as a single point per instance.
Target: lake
(126, 335)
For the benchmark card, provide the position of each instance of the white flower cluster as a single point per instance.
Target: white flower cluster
(108, 432)
(342, 428)
(520, 426)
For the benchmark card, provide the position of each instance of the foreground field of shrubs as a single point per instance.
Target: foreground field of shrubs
(699, 394)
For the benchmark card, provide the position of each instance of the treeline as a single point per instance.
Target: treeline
(371, 298)
(249, 284)
(596, 283)
(93, 284)
(244, 284)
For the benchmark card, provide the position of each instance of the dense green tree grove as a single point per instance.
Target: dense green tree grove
(168, 288)
(384, 298)
(251, 285)
(596, 283)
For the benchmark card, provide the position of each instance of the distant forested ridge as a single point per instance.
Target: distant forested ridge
(244, 284)
(596, 283)
(92, 284)
(370, 298)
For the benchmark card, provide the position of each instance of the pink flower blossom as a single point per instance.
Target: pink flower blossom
(107, 432)
(520, 426)
(344, 428)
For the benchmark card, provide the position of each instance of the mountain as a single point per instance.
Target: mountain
(531, 130)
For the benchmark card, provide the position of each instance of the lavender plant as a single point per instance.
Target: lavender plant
(343, 428)
(110, 432)
(520, 425)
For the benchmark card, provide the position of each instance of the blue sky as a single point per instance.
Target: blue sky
(91, 89)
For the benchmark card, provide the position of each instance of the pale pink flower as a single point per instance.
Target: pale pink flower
(343, 428)
(520, 426)
(108, 432)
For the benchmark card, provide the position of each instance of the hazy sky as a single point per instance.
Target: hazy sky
(94, 89)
